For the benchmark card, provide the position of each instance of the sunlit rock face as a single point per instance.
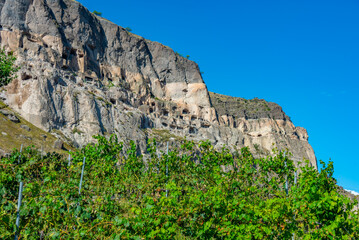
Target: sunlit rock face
(82, 75)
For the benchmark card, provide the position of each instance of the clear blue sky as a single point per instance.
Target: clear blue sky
(301, 54)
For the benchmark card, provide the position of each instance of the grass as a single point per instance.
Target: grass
(2, 105)
(15, 136)
(164, 135)
(106, 103)
(76, 130)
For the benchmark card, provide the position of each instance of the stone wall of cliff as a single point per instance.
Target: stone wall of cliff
(82, 75)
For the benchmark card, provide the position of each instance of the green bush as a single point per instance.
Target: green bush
(124, 195)
(7, 67)
(97, 13)
(178, 54)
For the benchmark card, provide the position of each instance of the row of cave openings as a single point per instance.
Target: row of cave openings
(182, 112)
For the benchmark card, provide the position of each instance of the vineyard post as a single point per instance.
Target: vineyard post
(69, 159)
(158, 168)
(286, 185)
(167, 171)
(18, 210)
(18, 160)
(295, 183)
(82, 174)
(286, 178)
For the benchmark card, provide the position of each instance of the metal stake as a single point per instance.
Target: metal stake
(167, 171)
(18, 210)
(18, 160)
(286, 179)
(158, 168)
(295, 182)
(82, 174)
(69, 159)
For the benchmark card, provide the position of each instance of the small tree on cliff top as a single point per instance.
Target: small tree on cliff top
(97, 13)
(7, 68)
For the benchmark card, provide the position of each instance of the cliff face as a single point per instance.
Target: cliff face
(82, 75)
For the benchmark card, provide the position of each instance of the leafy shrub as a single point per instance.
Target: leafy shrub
(178, 54)
(128, 29)
(7, 68)
(210, 194)
(97, 13)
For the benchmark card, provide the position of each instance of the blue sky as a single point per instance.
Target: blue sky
(301, 54)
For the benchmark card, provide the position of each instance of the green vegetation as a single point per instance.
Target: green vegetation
(164, 135)
(97, 13)
(128, 29)
(110, 85)
(178, 54)
(76, 130)
(7, 68)
(123, 196)
(2, 105)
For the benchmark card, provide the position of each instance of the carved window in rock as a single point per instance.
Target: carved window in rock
(113, 101)
(185, 111)
(88, 79)
(192, 130)
(165, 112)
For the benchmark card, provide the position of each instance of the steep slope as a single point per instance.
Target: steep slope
(83, 75)
(15, 131)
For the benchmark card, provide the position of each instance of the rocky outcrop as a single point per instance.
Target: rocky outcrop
(263, 124)
(9, 115)
(82, 75)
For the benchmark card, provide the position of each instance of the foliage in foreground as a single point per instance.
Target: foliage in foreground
(124, 196)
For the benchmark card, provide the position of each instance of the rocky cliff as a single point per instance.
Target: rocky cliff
(82, 75)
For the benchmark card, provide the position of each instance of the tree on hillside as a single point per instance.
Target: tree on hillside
(7, 67)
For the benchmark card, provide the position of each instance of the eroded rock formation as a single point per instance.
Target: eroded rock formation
(82, 75)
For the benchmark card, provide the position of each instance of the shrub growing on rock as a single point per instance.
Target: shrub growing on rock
(7, 67)
(97, 13)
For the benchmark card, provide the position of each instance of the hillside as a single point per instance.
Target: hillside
(16, 131)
